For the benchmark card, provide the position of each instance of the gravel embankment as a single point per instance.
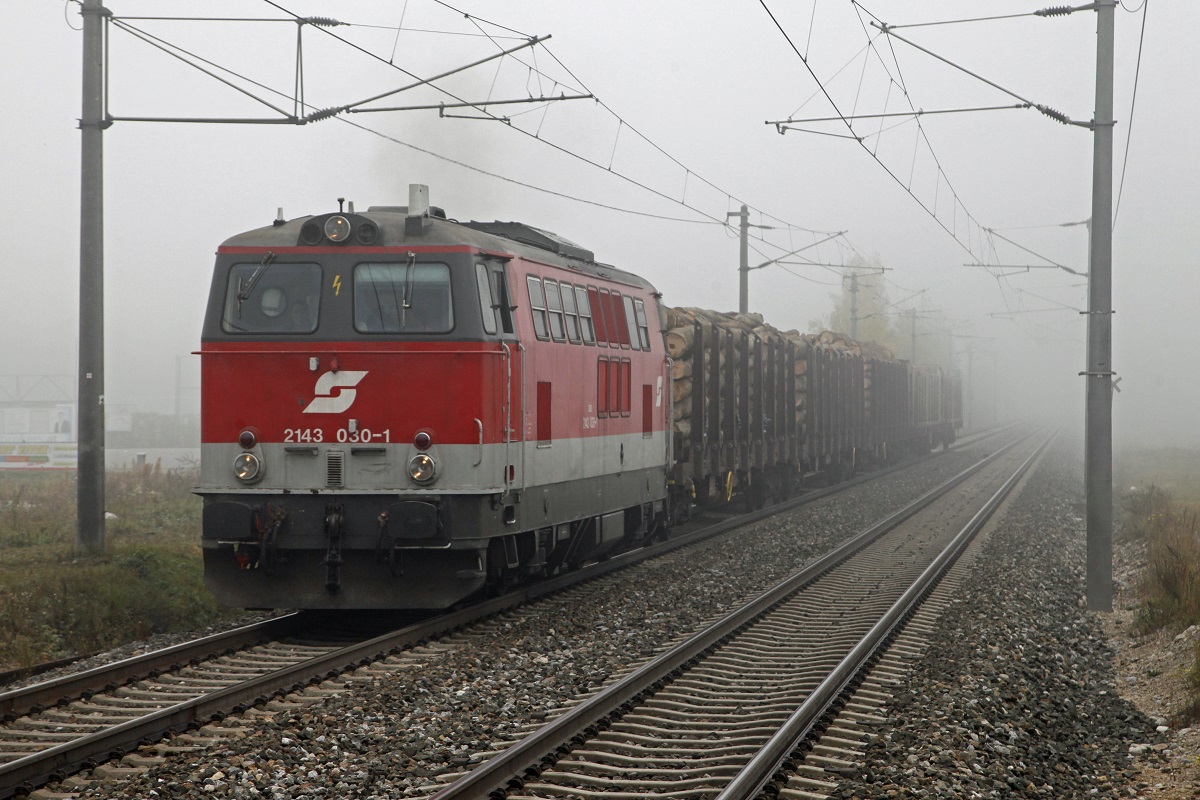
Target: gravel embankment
(1033, 702)
(1017, 696)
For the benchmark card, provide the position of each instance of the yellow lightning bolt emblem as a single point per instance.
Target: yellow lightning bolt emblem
(337, 285)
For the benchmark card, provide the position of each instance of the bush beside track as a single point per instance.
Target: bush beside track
(1159, 513)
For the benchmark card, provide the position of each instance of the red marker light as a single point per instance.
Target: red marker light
(247, 439)
(422, 441)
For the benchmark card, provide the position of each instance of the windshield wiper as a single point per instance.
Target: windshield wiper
(409, 277)
(244, 292)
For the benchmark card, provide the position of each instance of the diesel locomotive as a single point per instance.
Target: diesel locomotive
(400, 410)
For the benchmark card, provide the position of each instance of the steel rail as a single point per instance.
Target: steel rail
(534, 752)
(21, 673)
(39, 696)
(23, 774)
(762, 769)
(621, 560)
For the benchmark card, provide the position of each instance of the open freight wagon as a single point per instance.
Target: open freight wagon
(758, 411)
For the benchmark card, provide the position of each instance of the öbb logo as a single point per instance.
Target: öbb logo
(326, 401)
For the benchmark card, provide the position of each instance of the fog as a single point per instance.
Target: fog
(676, 141)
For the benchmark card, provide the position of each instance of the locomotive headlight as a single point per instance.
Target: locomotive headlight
(337, 228)
(247, 467)
(422, 468)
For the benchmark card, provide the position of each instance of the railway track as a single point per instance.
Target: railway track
(735, 708)
(55, 728)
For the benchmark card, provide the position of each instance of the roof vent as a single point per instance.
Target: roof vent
(434, 211)
(527, 234)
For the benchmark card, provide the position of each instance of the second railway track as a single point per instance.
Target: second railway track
(719, 714)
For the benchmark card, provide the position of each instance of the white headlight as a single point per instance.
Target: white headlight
(247, 467)
(337, 228)
(422, 468)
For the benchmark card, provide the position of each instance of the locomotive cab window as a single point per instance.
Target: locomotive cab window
(487, 303)
(503, 299)
(268, 297)
(404, 297)
(493, 298)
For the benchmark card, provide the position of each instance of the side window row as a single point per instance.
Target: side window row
(587, 315)
(613, 389)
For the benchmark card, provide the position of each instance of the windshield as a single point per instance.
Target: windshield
(403, 297)
(272, 298)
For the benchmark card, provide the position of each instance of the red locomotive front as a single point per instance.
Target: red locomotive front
(399, 410)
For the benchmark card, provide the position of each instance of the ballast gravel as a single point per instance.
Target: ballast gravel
(1017, 695)
(1008, 705)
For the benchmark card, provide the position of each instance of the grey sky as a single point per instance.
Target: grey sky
(698, 79)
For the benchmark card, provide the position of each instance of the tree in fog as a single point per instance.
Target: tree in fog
(874, 312)
(935, 338)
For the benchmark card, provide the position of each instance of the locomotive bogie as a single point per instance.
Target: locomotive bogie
(261, 548)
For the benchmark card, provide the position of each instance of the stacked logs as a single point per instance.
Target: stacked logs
(680, 336)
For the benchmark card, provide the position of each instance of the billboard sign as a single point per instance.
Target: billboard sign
(38, 436)
(39, 455)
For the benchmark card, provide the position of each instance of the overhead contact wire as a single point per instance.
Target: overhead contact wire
(850, 127)
(547, 142)
(1132, 104)
(979, 228)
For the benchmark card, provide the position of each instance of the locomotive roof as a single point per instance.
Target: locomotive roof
(510, 238)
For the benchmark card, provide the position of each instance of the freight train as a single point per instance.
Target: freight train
(400, 410)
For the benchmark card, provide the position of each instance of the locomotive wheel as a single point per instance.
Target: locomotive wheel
(660, 529)
(500, 577)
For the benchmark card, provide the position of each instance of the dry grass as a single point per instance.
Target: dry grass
(56, 601)
(1170, 586)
